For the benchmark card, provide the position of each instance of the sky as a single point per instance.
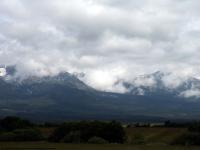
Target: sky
(107, 40)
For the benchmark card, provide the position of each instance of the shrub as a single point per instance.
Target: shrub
(12, 123)
(73, 137)
(27, 135)
(97, 140)
(189, 138)
(7, 136)
(112, 132)
(194, 127)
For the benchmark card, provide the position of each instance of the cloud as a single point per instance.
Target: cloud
(173, 81)
(107, 40)
(2, 72)
(191, 93)
(144, 81)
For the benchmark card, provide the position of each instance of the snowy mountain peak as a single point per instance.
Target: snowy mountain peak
(160, 83)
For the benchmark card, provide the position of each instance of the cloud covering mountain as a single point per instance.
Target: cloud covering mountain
(107, 40)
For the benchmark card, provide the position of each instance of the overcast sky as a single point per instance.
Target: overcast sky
(108, 40)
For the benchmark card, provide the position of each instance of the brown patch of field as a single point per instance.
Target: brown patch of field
(155, 135)
(46, 132)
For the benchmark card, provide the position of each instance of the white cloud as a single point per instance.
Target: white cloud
(191, 93)
(98, 37)
(173, 81)
(144, 81)
(2, 72)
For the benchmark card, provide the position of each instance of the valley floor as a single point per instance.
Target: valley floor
(154, 138)
(60, 146)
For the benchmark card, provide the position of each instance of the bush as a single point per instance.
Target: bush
(194, 127)
(73, 137)
(112, 132)
(188, 139)
(13, 123)
(27, 135)
(7, 136)
(22, 135)
(97, 140)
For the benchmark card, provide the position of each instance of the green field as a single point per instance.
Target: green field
(60, 146)
(155, 139)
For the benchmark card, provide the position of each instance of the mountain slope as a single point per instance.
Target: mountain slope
(162, 84)
(66, 97)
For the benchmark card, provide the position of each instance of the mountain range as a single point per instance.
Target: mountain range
(65, 97)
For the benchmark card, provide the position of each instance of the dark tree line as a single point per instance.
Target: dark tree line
(84, 131)
(12, 123)
(17, 129)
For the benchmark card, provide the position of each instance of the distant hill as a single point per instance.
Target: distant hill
(64, 96)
